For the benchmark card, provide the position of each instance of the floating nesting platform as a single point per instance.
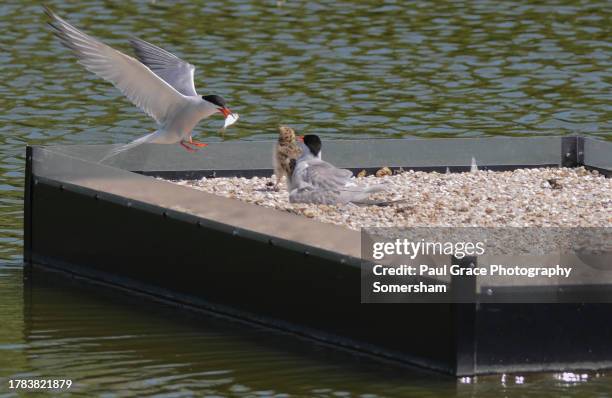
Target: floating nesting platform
(284, 266)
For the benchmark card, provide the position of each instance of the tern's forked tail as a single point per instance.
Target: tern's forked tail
(116, 151)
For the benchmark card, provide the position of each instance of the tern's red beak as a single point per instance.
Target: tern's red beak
(300, 138)
(226, 111)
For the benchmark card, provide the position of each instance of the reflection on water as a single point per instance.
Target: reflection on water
(340, 69)
(107, 341)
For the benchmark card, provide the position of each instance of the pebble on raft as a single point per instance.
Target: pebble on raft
(551, 197)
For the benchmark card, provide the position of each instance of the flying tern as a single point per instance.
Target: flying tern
(313, 180)
(156, 81)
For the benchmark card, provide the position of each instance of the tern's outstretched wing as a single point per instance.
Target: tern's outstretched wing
(136, 81)
(174, 71)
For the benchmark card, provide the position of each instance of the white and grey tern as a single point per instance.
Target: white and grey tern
(313, 180)
(156, 81)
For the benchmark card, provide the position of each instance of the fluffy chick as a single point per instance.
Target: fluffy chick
(285, 150)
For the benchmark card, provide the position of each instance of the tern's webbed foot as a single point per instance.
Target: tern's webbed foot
(187, 147)
(197, 143)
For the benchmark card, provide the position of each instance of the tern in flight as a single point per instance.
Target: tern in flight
(157, 82)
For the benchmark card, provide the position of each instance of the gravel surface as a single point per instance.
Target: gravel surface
(562, 197)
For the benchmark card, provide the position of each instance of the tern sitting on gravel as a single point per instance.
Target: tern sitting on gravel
(158, 82)
(312, 180)
(285, 149)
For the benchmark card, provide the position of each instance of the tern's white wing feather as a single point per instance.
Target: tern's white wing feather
(174, 71)
(136, 81)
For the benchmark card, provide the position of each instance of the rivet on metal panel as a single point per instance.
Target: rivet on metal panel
(342, 261)
(235, 232)
(489, 292)
(129, 204)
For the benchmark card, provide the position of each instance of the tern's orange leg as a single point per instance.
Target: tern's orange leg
(196, 143)
(184, 145)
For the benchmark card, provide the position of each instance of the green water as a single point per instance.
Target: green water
(340, 69)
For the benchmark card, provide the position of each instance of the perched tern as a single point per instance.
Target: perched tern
(285, 149)
(313, 180)
(157, 82)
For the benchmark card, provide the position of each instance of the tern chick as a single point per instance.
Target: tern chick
(285, 150)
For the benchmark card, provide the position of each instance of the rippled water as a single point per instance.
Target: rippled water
(340, 69)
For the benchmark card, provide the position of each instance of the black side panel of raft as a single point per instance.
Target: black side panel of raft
(540, 337)
(266, 284)
(260, 282)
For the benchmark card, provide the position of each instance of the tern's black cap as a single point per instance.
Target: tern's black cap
(215, 99)
(313, 142)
